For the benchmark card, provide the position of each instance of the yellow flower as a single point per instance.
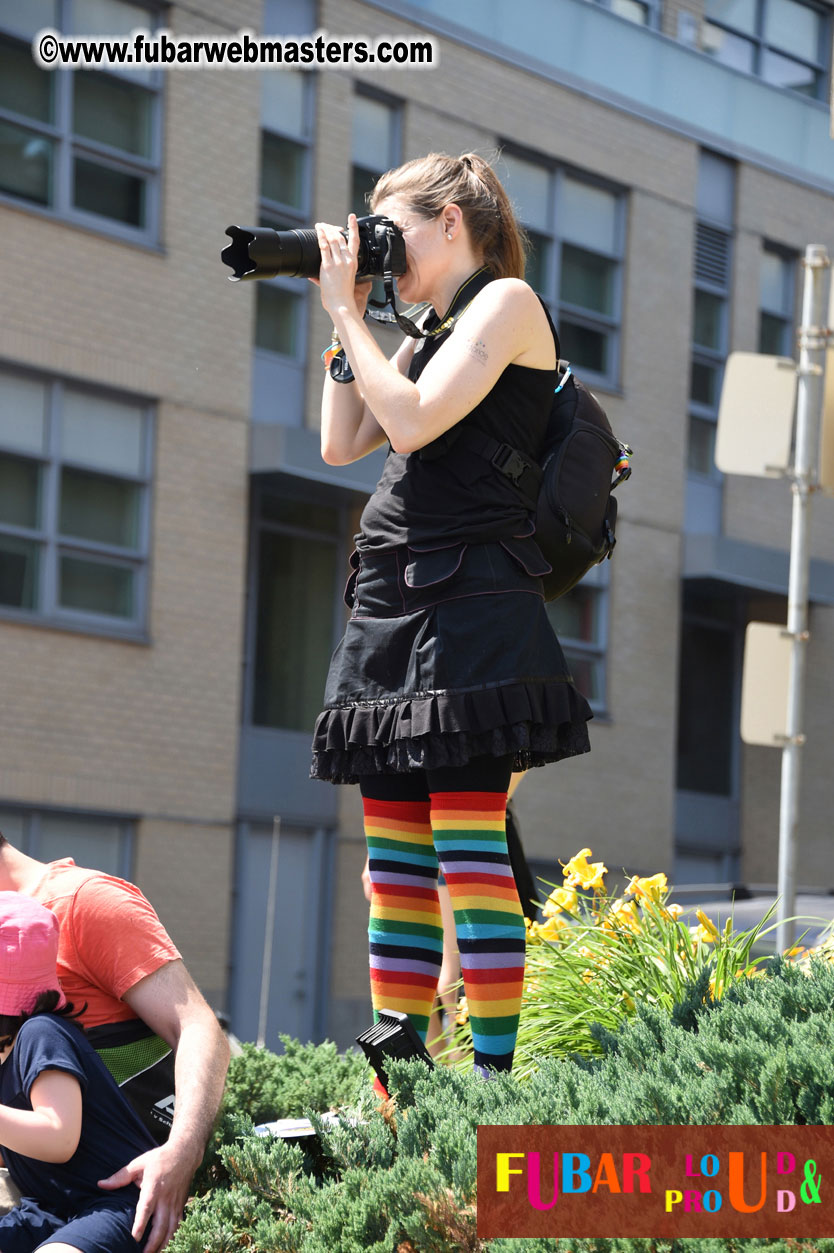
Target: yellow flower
(587, 976)
(462, 1016)
(621, 913)
(579, 873)
(550, 930)
(707, 932)
(652, 889)
(673, 911)
(559, 899)
(628, 1002)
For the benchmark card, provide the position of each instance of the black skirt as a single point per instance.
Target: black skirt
(448, 655)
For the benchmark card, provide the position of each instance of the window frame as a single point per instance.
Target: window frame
(609, 325)
(271, 211)
(33, 815)
(53, 545)
(788, 318)
(313, 496)
(652, 7)
(69, 146)
(595, 651)
(760, 46)
(395, 106)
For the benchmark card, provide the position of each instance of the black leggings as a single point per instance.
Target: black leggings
(481, 774)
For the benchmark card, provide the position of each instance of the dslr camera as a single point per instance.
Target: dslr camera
(259, 252)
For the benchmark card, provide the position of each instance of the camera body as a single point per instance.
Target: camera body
(260, 252)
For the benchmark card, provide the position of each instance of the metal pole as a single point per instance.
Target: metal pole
(269, 930)
(812, 341)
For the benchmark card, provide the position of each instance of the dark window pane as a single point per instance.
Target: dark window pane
(282, 170)
(783, 72)
(112, 112)
(587, 280)
(774, 335)
(706, 724)
(362, 184)
(587, 675)
(96, 587)
(109, 193)
(701, 448)
(575, 616)
(277, 315)
(709, 320)
(25, 164)
(703, 384)
(538, 258)
(98, 508)
(24, 88)
(584, 347)
(19, 491)
(296, 589)
(300, 513)
(18, 572)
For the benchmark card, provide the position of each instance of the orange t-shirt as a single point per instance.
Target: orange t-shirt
(110, 938)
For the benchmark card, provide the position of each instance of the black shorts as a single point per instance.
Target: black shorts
(102, 1228)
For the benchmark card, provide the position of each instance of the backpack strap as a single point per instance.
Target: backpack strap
(522, 473)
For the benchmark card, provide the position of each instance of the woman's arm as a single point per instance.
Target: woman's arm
(349, 429)
(505, 324)
(50, 1131)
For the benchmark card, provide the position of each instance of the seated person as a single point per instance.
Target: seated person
(64, 1124)
(145, 1017)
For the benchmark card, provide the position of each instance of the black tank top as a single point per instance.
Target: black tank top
(445, 493)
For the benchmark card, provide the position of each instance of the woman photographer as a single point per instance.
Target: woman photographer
(449, 676)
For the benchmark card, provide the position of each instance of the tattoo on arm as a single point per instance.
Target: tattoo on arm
(477, 349)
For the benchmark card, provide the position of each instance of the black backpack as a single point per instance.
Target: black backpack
(571, 490)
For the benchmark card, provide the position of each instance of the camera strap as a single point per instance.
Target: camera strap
(405, 323)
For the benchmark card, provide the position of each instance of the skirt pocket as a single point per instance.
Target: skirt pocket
(432, 567)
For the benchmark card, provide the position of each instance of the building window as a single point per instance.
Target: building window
(74, 504)
(297, 560)
(90, 840)
(576, 228)
(641, 12)
(286, 119)
(785, 42)
(580, 619)
(711, 299)
(85, 144)
(375, 144)
(777, 282)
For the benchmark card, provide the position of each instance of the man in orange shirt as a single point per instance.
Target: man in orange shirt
(115, 954)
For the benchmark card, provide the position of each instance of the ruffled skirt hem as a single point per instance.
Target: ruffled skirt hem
(536, 722)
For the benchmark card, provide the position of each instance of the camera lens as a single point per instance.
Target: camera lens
(259, 252)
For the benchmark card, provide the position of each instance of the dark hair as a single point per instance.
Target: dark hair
(429, 183)
(10, 1024)
(3, 839)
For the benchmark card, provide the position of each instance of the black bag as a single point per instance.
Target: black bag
(576, 511)
(143, 1066)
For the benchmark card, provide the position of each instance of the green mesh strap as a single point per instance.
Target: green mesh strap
(126, 1060)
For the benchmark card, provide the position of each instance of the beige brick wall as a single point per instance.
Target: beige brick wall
(185, 869)
(152, 729)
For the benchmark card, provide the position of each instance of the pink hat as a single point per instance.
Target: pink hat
(28, 953)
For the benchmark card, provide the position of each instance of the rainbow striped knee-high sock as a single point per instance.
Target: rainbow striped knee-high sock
(405, 928)
(471, 841)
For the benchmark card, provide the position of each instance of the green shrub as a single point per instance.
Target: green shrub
(406, 1183)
